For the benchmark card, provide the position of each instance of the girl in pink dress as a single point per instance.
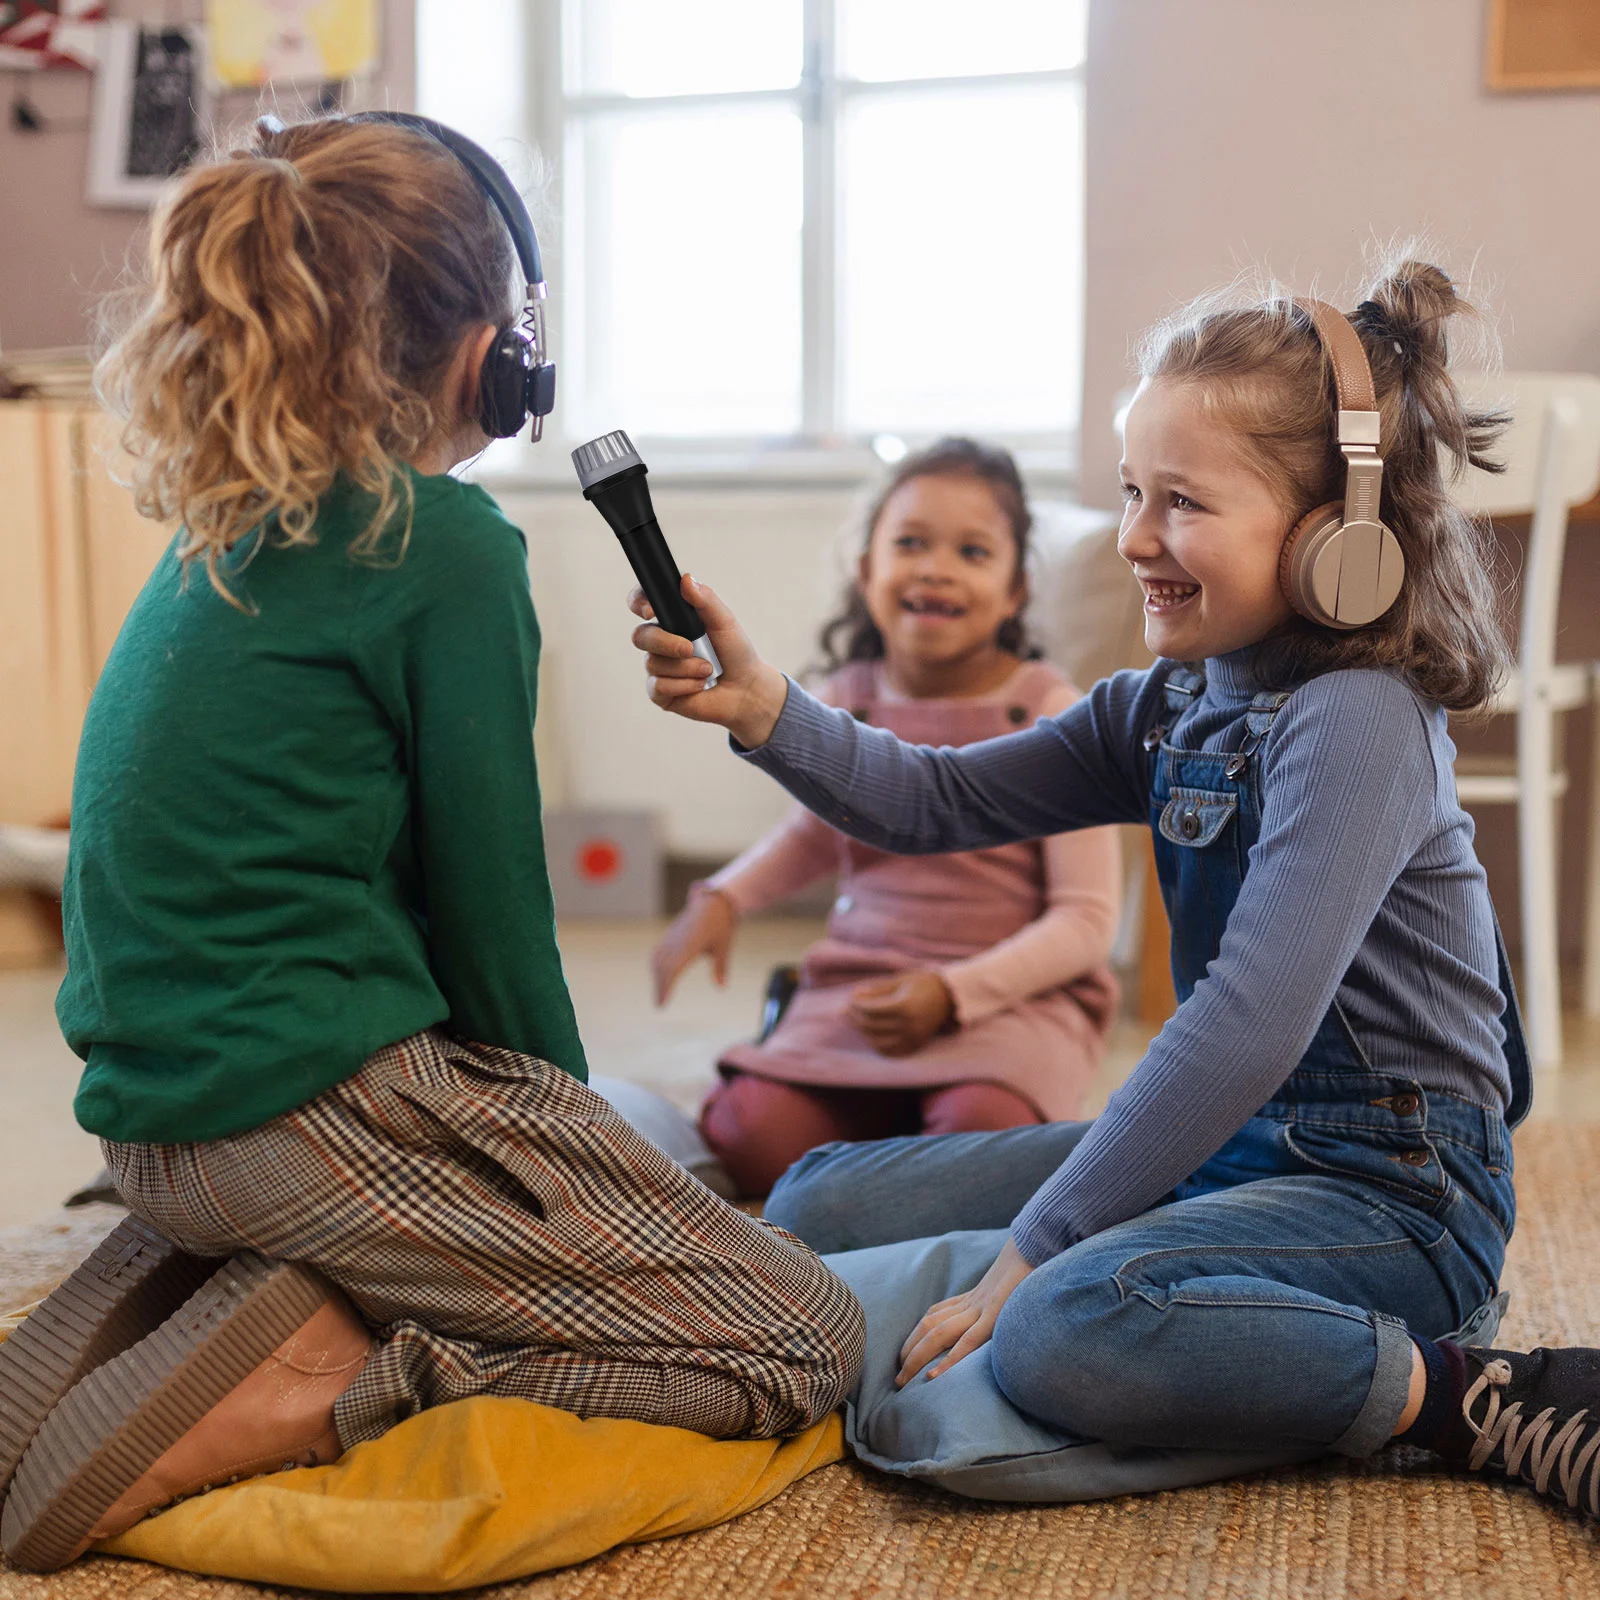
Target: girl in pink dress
(950, 993)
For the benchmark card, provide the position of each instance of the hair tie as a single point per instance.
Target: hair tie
(1380, 327)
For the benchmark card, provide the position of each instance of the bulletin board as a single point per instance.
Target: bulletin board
(1543, 44)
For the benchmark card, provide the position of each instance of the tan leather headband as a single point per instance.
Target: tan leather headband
(1352, 376)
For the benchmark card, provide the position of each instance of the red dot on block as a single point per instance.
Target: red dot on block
(600, 859)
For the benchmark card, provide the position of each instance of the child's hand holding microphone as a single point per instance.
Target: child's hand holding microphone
(701, 665)
(749, 694)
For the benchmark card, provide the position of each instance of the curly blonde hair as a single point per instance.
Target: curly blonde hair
(303, 301)
(1261, 368)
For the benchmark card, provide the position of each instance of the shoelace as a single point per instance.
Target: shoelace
(1545, 1452)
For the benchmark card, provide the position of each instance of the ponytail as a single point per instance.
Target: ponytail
(305, 297)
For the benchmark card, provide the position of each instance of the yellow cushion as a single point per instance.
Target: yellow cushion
(476, 1492)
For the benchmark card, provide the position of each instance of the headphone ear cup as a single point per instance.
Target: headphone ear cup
(1293, 573)
(502, 406)
(1340, 574)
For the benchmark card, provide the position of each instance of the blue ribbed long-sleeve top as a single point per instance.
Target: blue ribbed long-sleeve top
(1363, 885)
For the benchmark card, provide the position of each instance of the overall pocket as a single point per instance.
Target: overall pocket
(1403, 1162)
(1194, 818)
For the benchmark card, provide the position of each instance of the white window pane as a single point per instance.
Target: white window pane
(884, 39)
(684, 266)
(650, 47)
(960, 259)
(474, 89)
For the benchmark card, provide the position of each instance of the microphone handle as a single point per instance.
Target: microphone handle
(658, 575)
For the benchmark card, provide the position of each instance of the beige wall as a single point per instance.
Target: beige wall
(1225, 132)
(56, 251)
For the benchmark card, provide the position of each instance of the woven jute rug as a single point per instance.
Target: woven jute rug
(1396, 1528)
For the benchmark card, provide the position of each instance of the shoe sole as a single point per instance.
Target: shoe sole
(126, 1414)
(132, 1281)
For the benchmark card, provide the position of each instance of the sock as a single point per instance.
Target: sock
(1438, 1424)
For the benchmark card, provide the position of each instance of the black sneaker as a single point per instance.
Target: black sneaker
(1534, 1416)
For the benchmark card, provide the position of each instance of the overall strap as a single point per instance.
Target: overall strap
(1258, 722)
(1183, 688)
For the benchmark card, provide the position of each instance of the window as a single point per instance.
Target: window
(800, 221)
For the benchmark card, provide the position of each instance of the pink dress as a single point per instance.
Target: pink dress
(1020, 933)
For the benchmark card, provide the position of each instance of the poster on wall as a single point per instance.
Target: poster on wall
(1543, 44)
(256, 42)
(55, 33)
(148, 114)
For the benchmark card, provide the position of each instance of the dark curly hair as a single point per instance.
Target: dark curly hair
(852, 635)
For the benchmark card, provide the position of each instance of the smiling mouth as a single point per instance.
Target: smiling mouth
(1162, 598)
(927, 606)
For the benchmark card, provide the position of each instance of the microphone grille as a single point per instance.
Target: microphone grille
(604, 458)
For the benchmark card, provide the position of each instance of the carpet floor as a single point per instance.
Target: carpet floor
(1394, 1528)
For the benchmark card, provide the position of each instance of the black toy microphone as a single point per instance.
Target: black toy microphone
(612, 476)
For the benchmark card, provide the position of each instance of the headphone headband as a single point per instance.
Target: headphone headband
(1357, 419)
(491, 179)
(1340, 566)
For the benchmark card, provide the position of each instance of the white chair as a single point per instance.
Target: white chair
(1552, 456)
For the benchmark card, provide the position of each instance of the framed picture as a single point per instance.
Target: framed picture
(1543, 44)
(148, 111)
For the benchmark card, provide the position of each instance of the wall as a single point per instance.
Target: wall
(1250, 131)
(59, 252)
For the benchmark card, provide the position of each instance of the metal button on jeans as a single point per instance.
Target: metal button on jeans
(1189, 824)
(1415, 1158)
(1405, 1105)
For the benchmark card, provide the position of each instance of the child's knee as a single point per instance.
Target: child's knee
(810, 1205)
(756, 1128)
(975, 1108)
(1061, 1352)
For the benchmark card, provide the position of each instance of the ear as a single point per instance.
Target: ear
(466, 370)
(864, 565)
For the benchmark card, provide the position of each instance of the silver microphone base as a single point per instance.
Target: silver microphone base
(702, 648)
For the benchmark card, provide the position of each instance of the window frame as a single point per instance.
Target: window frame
(820, 449)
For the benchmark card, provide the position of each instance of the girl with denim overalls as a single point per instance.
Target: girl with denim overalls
(1286, 1229)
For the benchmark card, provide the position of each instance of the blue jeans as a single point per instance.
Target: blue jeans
(1269, 1306)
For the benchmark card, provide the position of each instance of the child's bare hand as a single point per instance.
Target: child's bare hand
(703, 928)
(749, 695)
(901, 1014)
(964, 1322)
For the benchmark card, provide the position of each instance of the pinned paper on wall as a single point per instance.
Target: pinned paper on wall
(149, 112)
(57, 33)
(255, 42)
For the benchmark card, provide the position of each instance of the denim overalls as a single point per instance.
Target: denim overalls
(1335, 1112)
(1270, 1305)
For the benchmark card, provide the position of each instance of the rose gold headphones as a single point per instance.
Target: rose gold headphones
(1340, 565)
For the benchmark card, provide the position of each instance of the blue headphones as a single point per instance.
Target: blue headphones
(518, 382)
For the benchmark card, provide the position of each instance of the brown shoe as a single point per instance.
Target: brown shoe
(130, 1283)
(242, 1380)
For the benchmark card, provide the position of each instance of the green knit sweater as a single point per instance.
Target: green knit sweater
(308, 829)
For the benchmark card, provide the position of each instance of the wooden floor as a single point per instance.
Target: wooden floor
(44, 1154)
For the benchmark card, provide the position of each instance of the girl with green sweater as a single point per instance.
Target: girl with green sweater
(313, 972)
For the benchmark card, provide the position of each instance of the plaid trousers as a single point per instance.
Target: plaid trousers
(506, 1232)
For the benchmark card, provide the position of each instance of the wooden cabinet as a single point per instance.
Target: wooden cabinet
(73, 554)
